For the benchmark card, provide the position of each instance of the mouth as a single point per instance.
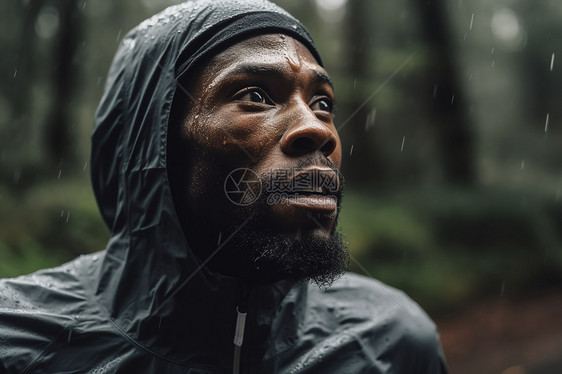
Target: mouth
(315, 189)
(313, 202)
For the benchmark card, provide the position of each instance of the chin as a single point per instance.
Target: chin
(308, 252)
(296, 222)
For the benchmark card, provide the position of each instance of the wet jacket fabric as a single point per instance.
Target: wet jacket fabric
(146, 304)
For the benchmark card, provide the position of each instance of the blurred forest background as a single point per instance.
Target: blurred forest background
(451, 118)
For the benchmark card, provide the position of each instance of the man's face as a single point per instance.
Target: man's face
(263, 110)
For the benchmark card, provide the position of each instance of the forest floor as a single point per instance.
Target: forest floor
(505, 337)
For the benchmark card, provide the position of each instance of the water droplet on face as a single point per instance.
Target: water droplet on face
(293, 64)
(292, 56)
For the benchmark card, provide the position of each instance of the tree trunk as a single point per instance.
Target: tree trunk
(58, 128)
(454, 134)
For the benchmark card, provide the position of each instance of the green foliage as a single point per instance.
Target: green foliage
(47, 226)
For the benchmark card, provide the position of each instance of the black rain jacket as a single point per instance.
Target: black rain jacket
(145, 304)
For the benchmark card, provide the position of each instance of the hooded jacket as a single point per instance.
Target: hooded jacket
(146, 304)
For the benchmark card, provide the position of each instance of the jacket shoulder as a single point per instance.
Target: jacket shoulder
(36, 311)
(391, 330)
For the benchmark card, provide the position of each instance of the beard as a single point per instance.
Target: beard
(262, 254)
(272, 256)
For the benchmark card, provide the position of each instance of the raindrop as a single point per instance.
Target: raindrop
(98, 82)
(434, 91)
(522, 164)
(15, 72)
(351, 150)
(220, 237)
(452, 99)
(502, 289)
(355, 83)
(471, 22)
(67, 216)
(370, 121)
(69, 335)
(552, 62)
(546, 123)
(85, 165)
(60, 173)
(118, 36)
(403, 141)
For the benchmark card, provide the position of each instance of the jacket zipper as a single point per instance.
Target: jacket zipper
(241, 311)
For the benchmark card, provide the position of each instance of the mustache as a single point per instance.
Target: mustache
(311, 174)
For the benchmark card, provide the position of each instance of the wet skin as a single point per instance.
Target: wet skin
(263, 104)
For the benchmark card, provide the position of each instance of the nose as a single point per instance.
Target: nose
(309, 135)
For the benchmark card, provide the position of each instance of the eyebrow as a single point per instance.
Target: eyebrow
(320, 77)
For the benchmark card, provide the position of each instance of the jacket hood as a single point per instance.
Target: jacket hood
(149, 279)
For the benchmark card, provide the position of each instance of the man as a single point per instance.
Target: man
(215, 162)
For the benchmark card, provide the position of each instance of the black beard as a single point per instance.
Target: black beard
(320, 260)
(261, 255)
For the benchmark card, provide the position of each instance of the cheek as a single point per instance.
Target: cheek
(241, 139)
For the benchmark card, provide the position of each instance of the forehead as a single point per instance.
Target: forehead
(269, 49)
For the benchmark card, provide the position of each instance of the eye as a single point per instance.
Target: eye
(323, 104)
(254, 95)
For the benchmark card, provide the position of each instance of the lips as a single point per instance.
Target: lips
(313, 202)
